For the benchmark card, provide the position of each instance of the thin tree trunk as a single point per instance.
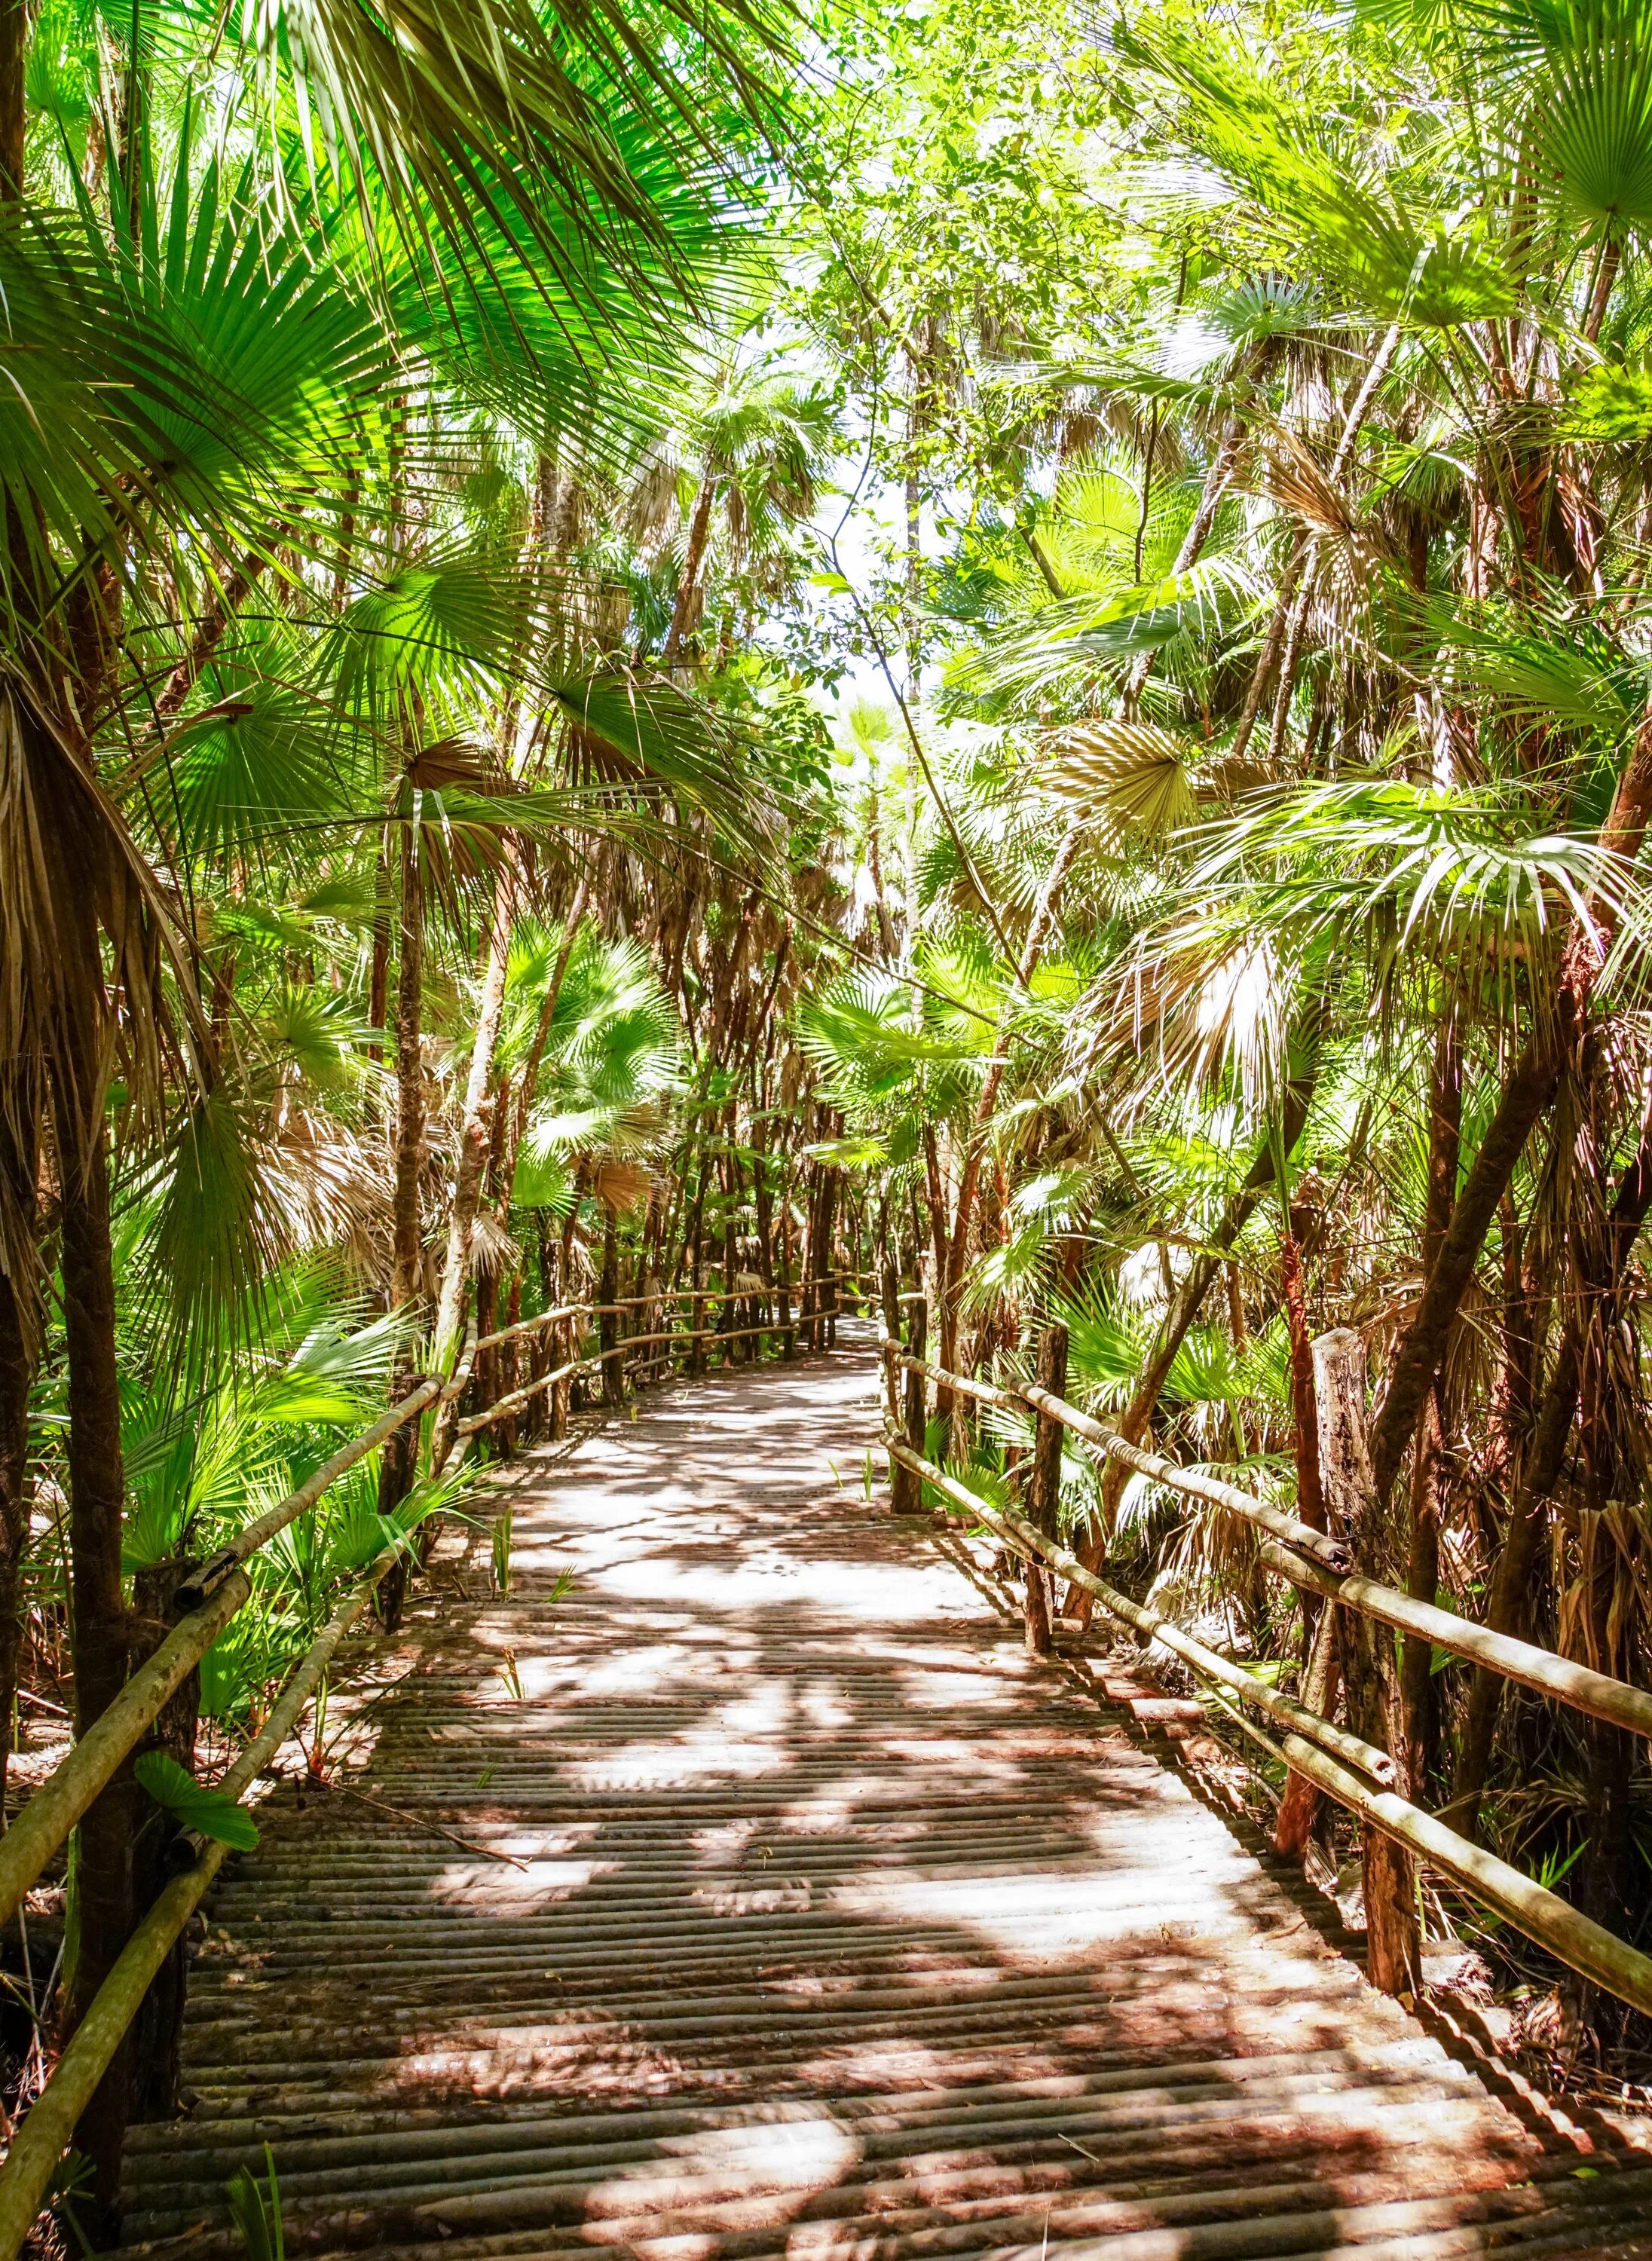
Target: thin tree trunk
(15, 19)
(20, 1316)
(408, 1246)
(1530, 1088)
(478, 1126)
(607, 1321)
(1184, 1310)
(1310, 1504)
(399, 1457)
(1417, 1687)
(686, 611)
(1045, 1494)
(103, 1882)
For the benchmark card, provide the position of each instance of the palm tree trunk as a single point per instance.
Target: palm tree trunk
(1417, 1687)
(408, 1257)
(398, 1458)
(1184, 1310)
(686, 611)
(15, 25)
(19, 1352)
(608, 1323)
(473, 1144)
(1546, 1456)
(1528, 1092)
(103, 1882)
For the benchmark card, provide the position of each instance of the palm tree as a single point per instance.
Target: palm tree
(763, 440)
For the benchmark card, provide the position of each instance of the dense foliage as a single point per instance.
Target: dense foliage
(649, 644)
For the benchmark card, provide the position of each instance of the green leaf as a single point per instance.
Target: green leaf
(207, 1811)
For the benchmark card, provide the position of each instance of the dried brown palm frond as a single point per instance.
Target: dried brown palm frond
(1127, 777)
(622, 1186)
(97, 975)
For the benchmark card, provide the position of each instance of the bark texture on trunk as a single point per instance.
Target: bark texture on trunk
(15, 17)
(686, 611)
(1044, 1493)
(1529, 1090)
(1184, 1310)
(102, 1867)
(19, 1352)
(407, 1256)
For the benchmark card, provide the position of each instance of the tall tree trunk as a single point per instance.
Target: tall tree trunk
(398, 1459)
(408, 1246)
(1417, 1686)
(1310, 1504)
(15, 23)
(20, 1315)
(686, 611)
(1528, 1092)
(480, 1125)
(608, 1323)
(1184, 1310)
(1393, 1949)
(102, 1880)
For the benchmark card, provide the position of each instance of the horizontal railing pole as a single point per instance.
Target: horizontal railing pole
(1613, 1701)
(984, 1392)
(1542, 1916)
(518, 1398)
(527, 1327)
(71, 1790)
(1302, 1559)
(1162, 1632)
(210, 1597)
(259, 1534)
(44, 2133)
(1570, 1937)
(1331, 1553)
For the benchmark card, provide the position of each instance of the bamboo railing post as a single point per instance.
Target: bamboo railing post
(560, 1355)
(697, 1324)
(1045, 1491)
(905, 1491)
(1393, 1949)
(1321, 1685)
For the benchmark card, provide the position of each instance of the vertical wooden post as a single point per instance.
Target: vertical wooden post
(607, 1318)
(1044, 1492)
(891, 1286)
(1393, 1951)
(1320, 1684)
(697, 1322)
(905, 1490)
(157, 2034)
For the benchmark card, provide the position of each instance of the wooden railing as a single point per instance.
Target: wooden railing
(1347, 1767)
(210, 1597)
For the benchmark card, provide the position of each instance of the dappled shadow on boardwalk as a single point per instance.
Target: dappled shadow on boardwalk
(829, 1923)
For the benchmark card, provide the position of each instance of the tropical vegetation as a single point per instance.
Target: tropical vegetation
(650, 646)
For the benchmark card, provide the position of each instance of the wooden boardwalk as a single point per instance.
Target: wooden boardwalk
(833, 1927)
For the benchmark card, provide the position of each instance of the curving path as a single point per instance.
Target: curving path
(832, 1927)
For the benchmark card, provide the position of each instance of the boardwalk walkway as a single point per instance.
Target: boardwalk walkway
(834, 1928)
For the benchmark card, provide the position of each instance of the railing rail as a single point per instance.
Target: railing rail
(1315, 1747)
(219, 1588)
